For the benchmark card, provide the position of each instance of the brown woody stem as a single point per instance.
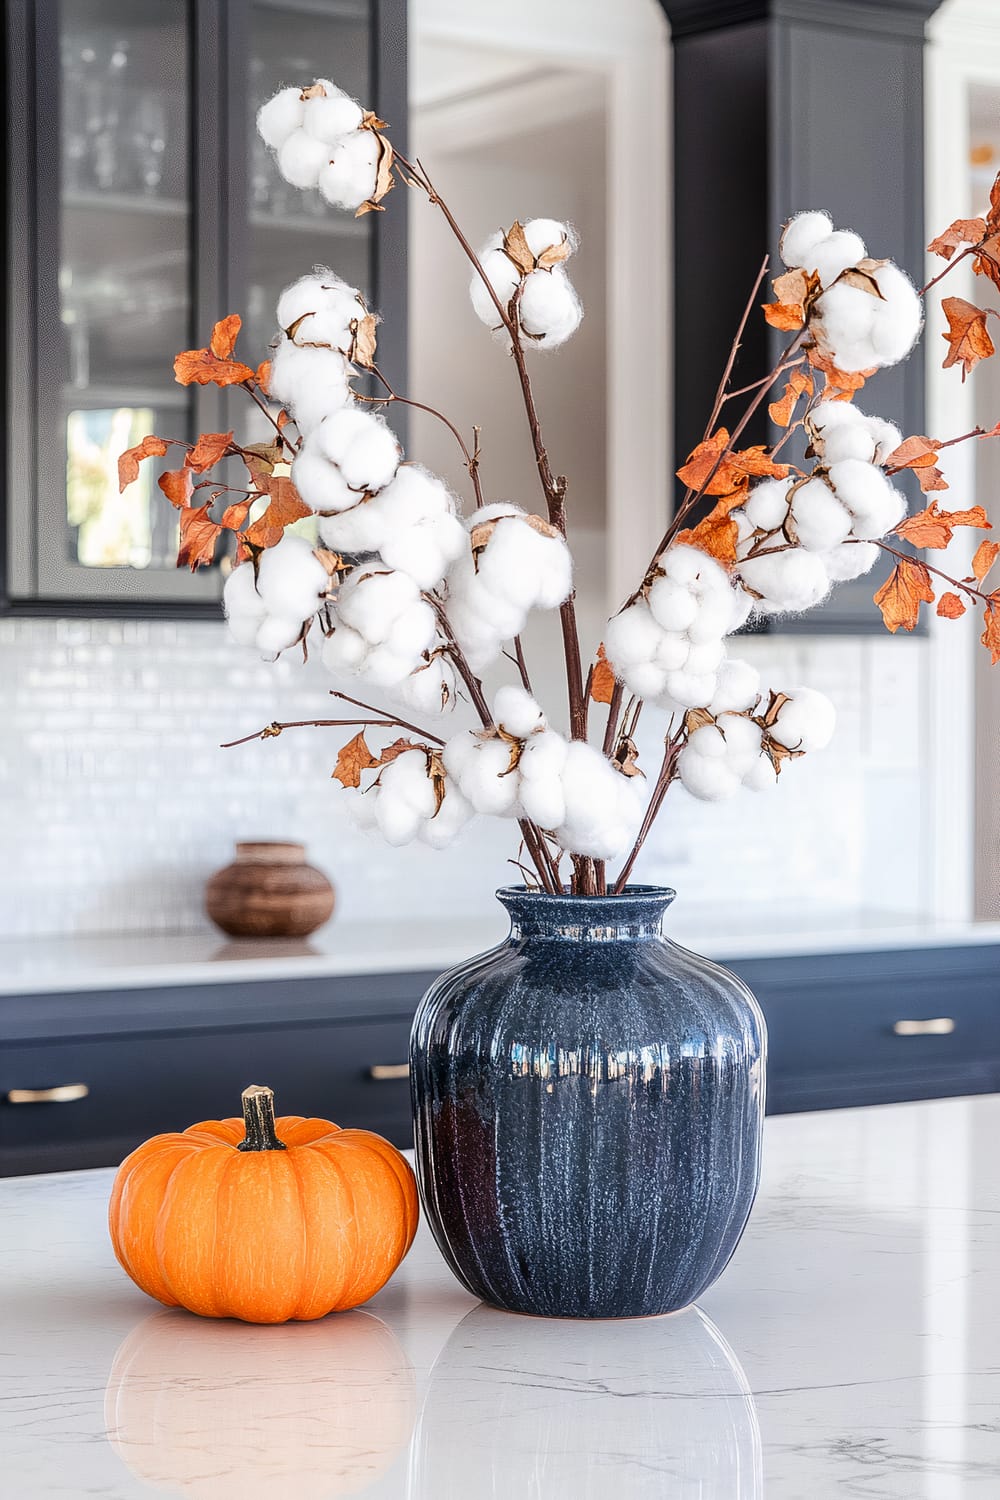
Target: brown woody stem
(471, 460)
(672, 748)
(258, 1118)
(271, 731)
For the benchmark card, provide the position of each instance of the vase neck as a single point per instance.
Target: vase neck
(637, 913)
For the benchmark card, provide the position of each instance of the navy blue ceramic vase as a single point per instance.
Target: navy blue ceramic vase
(588, 1101)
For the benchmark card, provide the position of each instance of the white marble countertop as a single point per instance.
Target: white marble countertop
(850, 1350)
(45, 964)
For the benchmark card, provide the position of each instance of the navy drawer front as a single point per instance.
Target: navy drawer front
(852, 1028)
(141, 1085)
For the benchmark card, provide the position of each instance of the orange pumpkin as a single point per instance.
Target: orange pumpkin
(263, 1220)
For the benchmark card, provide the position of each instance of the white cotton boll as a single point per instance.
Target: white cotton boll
(542, 234)
(791, 581)
(310, 382)
(761, 776)
(280, 117)
(708, 740)
(276, 633)
(373, 599)
(483, 777)
(603, 807)
(481, 643)
(543, 801)
(385, 668)
(806, 721)
(396, 820)
(742, 742)
(850, 560)
(361, 445)
(415, 494)
(672, 605)
(405, 779)
(344, 651)
(361, 806)
(549, 309)
(631, 636)
(672, 651)
(874, 503)
(741, 606)
(301, 158)
(320, 485)
(820, 521)
(543, 756)
(900, 316)
(348, 180)
(646, 680)
(524, 567)
(690, 565)
(516, 710)
(360, 529)
(317, 306)
(708, 780)
(244, 627)
(413, 631)
(691, 689)
(767, 504)
(426, 550)
(291, 578)
(704, 657)
(240, 598)
(845, 323)
(474, 609)
(848, 441)
(330, 117)
(504, 278)
(713, 619)
(737, 687)
(431, 688)
(840, 250)
(453, 816)
(802, 234)
(887, 437)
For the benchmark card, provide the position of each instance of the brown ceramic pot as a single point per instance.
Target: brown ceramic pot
(269, 891)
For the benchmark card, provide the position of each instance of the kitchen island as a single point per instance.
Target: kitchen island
(850, 1350)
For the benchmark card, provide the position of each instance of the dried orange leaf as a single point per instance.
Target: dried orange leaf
(800, 382)
(202, 367)
(950, 607)
(794, 293)
(841, 385)
(178, 486)
(235, 515)
(968, 337)
(353, 758)
(224, 335)
(208, 450)
(991, 633)
(716, 471)
(129, 461)
(262, 375)
(602, 678)
(395, 750)
(199, 534)
(554, 255)
(717, 534)
(934, 528)
(284, 508)
(900, 597)
(959, 232)
(986, 556)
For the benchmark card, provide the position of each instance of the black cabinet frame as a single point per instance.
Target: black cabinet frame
(218, 31)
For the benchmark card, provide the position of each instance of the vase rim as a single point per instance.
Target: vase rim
(652, 893)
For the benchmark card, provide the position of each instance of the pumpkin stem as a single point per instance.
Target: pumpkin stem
(258, 1117)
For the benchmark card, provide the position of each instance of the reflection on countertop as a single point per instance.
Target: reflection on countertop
(849, 1350)
(345, 946)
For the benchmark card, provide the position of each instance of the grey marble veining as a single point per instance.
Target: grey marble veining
(851, 1350)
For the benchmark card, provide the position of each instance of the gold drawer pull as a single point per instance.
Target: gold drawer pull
(938, 1026)
(388, 1072)
(65, 1093)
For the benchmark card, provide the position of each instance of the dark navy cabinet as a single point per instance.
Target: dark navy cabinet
(85, 1077)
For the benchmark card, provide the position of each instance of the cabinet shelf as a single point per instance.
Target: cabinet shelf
(348, 229)
(99, 396)
(147, 205)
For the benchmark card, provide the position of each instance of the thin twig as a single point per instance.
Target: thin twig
(671, 750)
(271, 731)
(956, 583)
(720, 394)
(262, 405)
(369, 708)
(471, 460)
(956, 260)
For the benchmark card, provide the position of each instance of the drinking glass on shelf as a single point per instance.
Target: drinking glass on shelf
(148, 141)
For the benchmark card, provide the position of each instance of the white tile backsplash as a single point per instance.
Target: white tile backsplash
(116, 801)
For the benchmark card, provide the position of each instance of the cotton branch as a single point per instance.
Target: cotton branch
(271, 731)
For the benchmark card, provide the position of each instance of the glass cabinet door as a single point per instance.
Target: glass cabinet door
(145, 207)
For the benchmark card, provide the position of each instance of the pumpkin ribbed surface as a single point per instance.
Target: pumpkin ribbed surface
(266, 1235)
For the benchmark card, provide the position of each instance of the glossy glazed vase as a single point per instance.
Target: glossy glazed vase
(588, 1101)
